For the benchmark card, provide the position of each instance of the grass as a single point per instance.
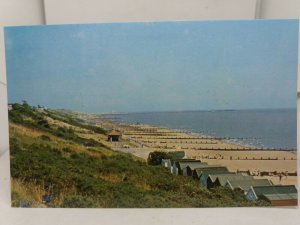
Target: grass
(77, 175)
(25, 194)
(28, 136)
(67, 118)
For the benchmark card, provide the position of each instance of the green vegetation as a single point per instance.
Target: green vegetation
(156, 157)
(52, 160)
(28, 116)
(66, 118)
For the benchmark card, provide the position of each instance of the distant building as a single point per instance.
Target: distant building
(9, 106)
(277, 195)
(41, 108)
(113, 135)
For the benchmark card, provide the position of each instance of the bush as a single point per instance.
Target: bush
(15, 116)
(43, 123)
(155, 158)
(45, 138)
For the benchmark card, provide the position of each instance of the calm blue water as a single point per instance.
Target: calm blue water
(261, 128)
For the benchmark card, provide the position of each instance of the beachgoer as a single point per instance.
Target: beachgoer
(280, 176)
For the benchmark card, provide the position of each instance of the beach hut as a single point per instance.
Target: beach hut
(176, 167)
(191, 167)
(166, 163)
(197, 172)
(216, 180)
(182, 165)
(205, 172)
(186, 168)
(246, 184)
(113, 135)
(277, 195)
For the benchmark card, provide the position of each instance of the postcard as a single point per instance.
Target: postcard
(185, 114)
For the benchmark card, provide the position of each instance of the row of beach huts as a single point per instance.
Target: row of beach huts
(212, 176)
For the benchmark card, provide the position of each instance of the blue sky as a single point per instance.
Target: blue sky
(165, 66)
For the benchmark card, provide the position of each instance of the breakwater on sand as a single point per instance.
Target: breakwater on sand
(264, 129)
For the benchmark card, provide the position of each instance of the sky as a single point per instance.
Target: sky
(158, 66)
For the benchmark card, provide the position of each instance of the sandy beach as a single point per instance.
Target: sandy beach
(141, 139)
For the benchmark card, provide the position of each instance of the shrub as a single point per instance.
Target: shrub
(155, 158)
(45, 138)
(15, 116)
(41, 122)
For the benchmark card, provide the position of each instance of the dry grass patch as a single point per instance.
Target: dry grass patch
(26, 194)
(31, 136)
(59, 123)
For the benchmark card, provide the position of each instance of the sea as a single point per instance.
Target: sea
(263, 128)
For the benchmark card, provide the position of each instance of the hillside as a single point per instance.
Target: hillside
(58, 160)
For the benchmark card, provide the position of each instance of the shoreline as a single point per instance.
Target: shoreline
(197, 136)
(141, 139)
(238, 141)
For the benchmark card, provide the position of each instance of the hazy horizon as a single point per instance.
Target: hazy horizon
(162, 111)
(154, 67)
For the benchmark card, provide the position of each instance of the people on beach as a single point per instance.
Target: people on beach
(280, 177)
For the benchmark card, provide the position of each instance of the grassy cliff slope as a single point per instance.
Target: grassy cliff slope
(54, 165)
